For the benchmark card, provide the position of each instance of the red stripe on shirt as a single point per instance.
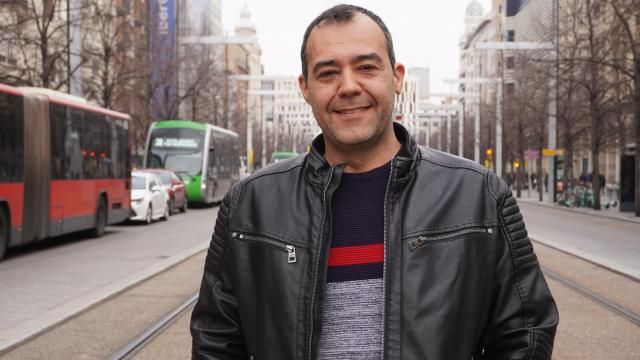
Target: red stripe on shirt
(354, 255)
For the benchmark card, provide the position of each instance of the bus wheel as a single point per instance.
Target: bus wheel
(4, 234)
(101, 219)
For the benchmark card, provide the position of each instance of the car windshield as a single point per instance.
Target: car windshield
(180, 150)
(138, 182)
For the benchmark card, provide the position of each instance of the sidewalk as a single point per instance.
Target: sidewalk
(611, 212)
(607, 237)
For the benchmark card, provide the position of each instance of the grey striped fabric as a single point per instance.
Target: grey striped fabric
(352, 321)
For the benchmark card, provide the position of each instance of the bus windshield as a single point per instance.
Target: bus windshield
(177, 149)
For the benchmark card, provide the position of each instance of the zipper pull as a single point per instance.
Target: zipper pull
(292, 254)
(416, 243)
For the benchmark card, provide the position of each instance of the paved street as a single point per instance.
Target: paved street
(44, 285)
(609, 242)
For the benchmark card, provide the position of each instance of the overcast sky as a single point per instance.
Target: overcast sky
(425, 32)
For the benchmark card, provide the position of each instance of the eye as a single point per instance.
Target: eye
(327, 74)
(367, 68)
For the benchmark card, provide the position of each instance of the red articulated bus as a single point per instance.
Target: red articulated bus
(64, 166)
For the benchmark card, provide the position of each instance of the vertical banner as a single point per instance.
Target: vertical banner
(163, 59)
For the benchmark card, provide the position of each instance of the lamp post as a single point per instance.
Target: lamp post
(552, 109)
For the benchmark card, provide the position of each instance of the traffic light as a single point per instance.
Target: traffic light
(489, 152)
(516, 164)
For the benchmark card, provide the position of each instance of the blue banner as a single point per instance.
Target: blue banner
(163, 59)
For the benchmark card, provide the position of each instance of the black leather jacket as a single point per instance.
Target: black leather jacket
(461, 279)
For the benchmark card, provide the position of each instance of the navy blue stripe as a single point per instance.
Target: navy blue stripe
(354, 272)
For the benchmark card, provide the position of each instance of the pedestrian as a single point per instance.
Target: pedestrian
(546, 182)
(369, 246)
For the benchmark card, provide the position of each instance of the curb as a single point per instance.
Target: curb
(26, 331)
(576, 211)
(633, 274)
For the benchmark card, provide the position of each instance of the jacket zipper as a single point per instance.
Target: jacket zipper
(384, 265)
(317, 262)
(280, 245)
(444, 237)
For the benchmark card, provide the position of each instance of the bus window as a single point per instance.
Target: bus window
(11, 138)
(66, 143)
(177, 149)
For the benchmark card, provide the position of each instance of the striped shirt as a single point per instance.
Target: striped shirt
(352, 324)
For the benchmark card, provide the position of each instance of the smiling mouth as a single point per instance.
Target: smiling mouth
(353, 110)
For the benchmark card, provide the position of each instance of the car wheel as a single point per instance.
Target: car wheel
(4, 234)
(149, 218)
(165, 216)
(101, 219)
(172, 207)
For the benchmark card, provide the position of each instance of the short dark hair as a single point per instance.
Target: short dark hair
(340, 14)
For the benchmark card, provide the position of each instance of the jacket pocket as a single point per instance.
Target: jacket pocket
(277, 244)
(419, 241)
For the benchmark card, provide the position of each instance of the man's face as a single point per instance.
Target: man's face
(350, 83)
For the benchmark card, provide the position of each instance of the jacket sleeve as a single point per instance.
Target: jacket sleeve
(215, 324)
(524, 317)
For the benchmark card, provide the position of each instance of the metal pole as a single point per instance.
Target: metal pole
(250, 159)
(429, 132)
(499, 130)
(263, 135)
(440, 133)
(476, 138)
(461, 130)
(529, 178)
(552, 127)
(449, 131)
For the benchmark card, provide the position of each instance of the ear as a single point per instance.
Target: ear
(304, 89)
(398, 77)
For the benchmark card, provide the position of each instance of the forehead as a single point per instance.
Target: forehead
(334, 41)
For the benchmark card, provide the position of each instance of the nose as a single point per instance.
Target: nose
(349, 87)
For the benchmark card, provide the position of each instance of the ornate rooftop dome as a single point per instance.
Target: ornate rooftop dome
(474, 9)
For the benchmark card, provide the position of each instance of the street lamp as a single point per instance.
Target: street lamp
(552, 140)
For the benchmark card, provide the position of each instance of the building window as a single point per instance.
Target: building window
(511, 62)
(511, 35)
(6, 49)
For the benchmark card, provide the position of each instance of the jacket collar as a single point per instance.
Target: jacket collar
(318, 169)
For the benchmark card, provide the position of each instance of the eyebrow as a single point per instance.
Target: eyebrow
(370, 56)
(364, 57)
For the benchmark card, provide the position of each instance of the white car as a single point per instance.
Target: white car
(149, 198)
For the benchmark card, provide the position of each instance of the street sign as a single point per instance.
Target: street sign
(552, 152)
(531, 154)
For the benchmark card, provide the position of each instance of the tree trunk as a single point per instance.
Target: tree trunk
(595, 177)
(539, 186)
(636, 115)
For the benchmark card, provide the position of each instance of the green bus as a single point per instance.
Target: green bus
(206, 157)
(281, 155)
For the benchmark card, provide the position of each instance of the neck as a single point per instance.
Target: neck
(362, 158)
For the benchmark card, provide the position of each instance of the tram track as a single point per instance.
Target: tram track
(592, 295)
(153, 331)
(139, 342)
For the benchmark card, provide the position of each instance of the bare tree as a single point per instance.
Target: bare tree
(627, 22)
(109, 26)
(40, 34)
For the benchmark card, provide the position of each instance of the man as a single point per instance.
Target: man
(369, 247)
